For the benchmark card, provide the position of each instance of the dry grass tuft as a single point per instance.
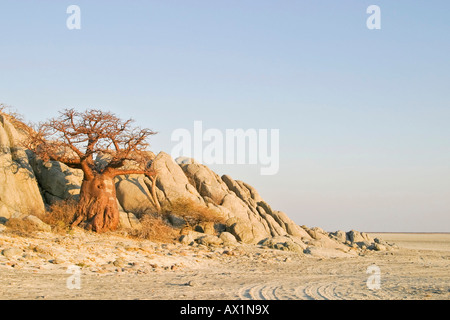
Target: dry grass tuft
(155, 228)
(21, 227)
(60, 215)
(194, 213)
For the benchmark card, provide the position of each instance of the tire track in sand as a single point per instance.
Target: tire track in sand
(270, 291)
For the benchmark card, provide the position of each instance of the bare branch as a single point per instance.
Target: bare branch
(74, 138)
(148, 173)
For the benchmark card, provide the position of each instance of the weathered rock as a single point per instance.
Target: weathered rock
(6, 214)
(244, 232)
(206, 182)
(328, 243)
(58, 181)
(383, 245)
(317, 233)
(187, 239)
(339, 235)
(134, 196)
(292, 246)
(134, 191)
(206, 227)
(361, 239)
(355, 236)
(245, 218)
(38, 223)
(185, 160)
(291, 228)
(275, 228)
(19, 190)
(367, 237)
(119, 262)
(172, 181)
(233, 207)
(379, 247)
(124, 222)
(246, 204)
(12, 252)
(210, 240)
(244, 191)
(194, 234)
(176, 221)
(228, 239)
(286, 243)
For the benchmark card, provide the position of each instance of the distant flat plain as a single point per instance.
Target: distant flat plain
(417, 241)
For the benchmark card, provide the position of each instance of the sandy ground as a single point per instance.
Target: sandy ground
(119, 268)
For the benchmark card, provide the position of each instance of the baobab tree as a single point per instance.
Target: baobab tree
(75, 138)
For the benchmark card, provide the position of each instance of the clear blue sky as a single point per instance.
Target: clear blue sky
(363, 114)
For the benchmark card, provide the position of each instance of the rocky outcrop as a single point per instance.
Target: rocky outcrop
(340, 243)
(286, 243)
(359, 238)
(19, 191)
(134, 195)
(171, 182)
(248, 217)
(37, 223)
(134, 192)
(27, 182)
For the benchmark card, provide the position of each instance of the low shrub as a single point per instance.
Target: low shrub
(60, 215)
(155, 228)
(20, 226)
(194, 213)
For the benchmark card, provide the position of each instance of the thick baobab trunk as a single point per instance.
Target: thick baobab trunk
(97, 208)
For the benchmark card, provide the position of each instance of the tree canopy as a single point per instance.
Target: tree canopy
(76, 138)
